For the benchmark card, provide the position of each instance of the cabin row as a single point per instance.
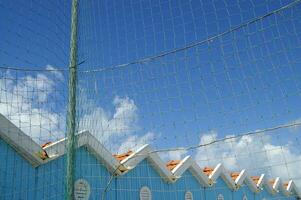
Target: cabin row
(31, 171)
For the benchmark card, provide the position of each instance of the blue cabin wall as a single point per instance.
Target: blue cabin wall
(128, 186)
(50, 183)
(220, 187)
(19, 180)
(94, 172)
(264, 194)
(17, 176)
(244, 190)
(86, 167)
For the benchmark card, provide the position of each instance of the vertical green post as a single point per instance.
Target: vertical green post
(69, 194)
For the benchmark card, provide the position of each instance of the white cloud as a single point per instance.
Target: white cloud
(104, 125)
(297, 127)
(23, 100)
(117, 130)
(256, 153)
(26, 100)
(36, 87)
(55, 72)
(173, 155)
(133, 142)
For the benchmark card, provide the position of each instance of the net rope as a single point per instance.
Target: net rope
(217, 80)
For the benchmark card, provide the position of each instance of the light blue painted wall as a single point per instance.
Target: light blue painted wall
(220, 187)
(19, 180)
(244, 190)
(278, 196)
(128, 185)
(17, 177)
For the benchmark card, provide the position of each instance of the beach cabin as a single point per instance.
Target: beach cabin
(34, 172)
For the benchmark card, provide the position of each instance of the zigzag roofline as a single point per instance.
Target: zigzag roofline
(245, 178)
(144, 152)
(189, 164)
(220, 171)
(292, 189)
(36, 155)
(85, 138)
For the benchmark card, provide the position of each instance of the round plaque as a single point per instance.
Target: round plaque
(81, 190)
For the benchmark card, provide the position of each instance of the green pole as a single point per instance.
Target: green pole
(69, 194)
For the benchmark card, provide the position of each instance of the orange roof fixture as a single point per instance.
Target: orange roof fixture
(272, 182)
(255, 179)
(208, 170)
(44, 155)
(123, 156)
(172, 164)
(45, 144)
(285, 185)
(234, 175)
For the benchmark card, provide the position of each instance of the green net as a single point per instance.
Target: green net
(216, 80)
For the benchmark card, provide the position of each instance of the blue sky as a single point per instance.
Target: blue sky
(243, 81)
(246, 80)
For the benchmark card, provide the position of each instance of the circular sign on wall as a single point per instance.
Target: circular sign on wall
(81, 190)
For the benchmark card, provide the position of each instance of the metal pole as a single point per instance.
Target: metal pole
(69, 194)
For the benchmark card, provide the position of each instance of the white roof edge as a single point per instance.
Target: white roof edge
(276, 184)
(145, 152)
(241, 177)
(289, 186)
(261, 180)
(267, 186)
(160, 166)
(133, 158)
(199, 174)
(58, 148)
(292, 188)
(189, 164)
(283, 189)
(21, 142)
(182, 166)
(249, 181)
(85, 138)
(219, 170)
(216, 172)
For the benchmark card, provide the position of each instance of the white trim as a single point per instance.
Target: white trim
(85, 138)
(292, 189)
(145, 152)
(285, 190)
(267, 186)
(241, 177)
(22, 143)
(245, 178)
(260, 181)
(182, 166)
(276, 184)
(132, 160)
(189, 164)
(249, 181)
(218, 171)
